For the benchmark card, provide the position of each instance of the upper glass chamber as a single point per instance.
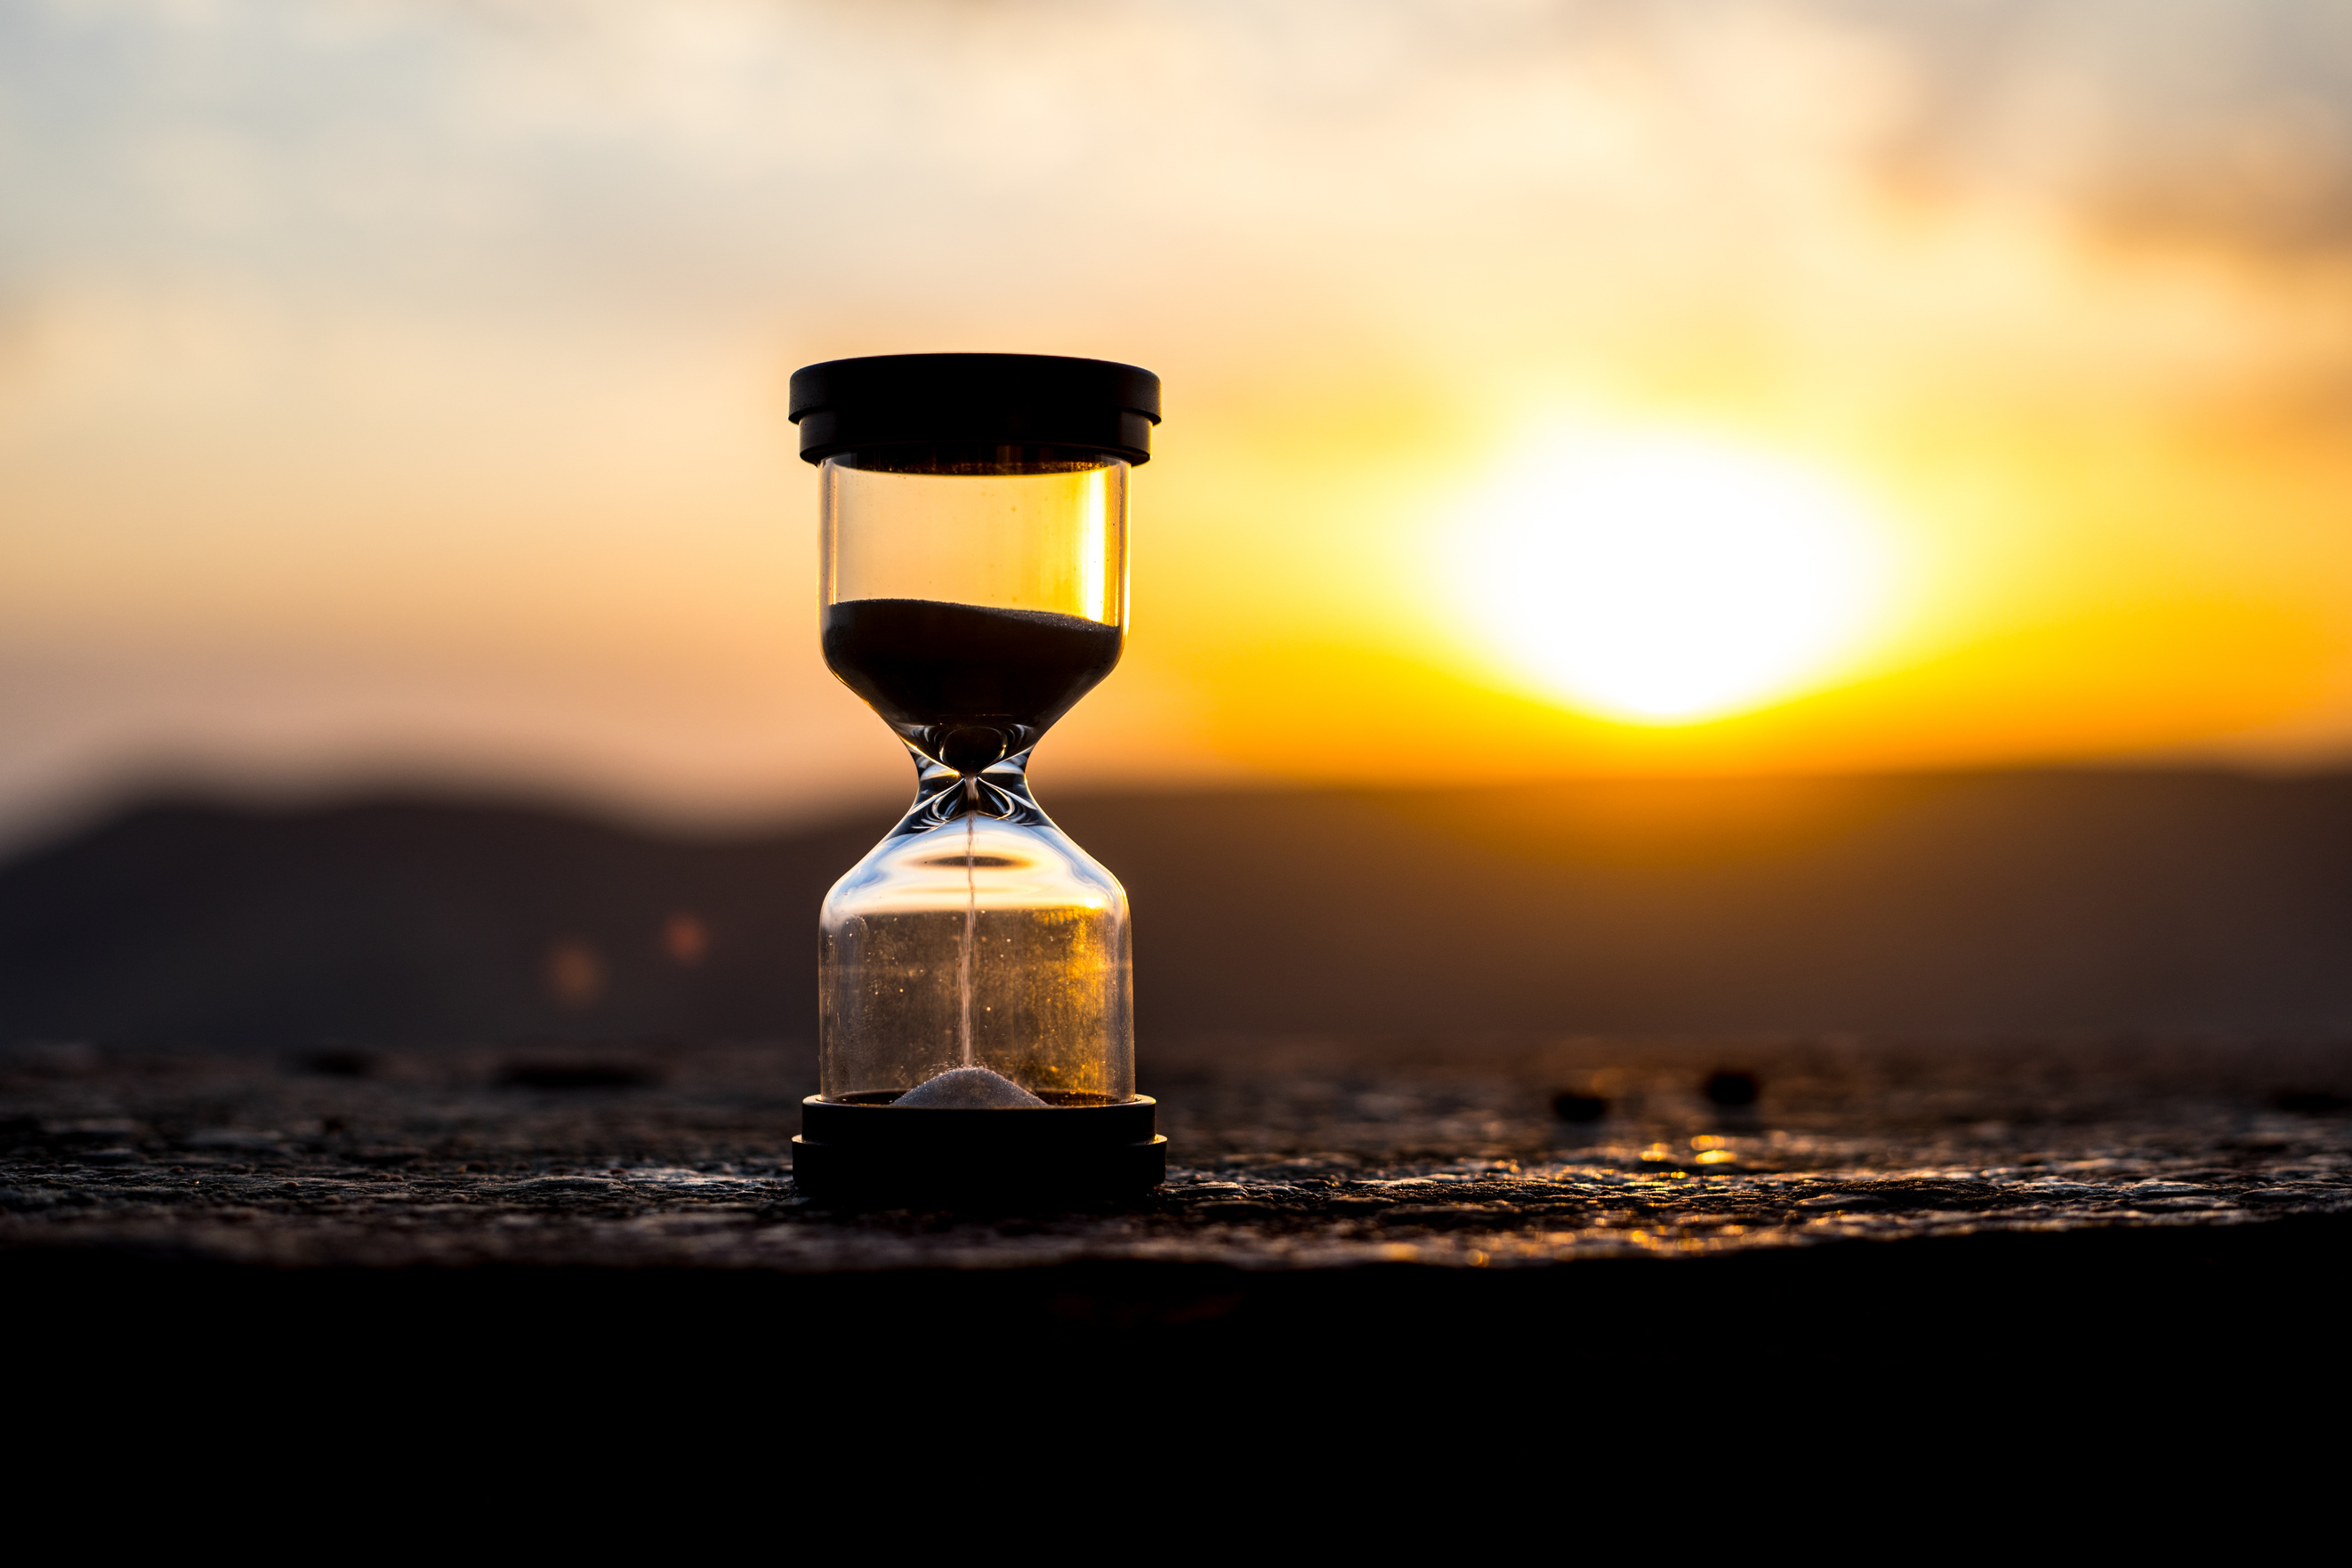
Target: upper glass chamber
(972, 594)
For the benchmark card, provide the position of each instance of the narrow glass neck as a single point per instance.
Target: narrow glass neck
(942, 795)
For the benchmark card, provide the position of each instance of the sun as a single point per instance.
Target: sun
(1665, 578)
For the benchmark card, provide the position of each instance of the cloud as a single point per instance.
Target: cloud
(731, 155)
(2228, 121)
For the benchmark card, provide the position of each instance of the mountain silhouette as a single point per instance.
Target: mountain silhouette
(1990, 903)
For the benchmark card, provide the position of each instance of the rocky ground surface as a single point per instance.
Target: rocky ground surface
(1285, 1156)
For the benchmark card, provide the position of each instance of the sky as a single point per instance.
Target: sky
(392, 395)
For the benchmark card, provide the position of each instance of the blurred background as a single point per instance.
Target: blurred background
(1672, 514)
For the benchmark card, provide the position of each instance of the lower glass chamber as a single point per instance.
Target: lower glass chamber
(977, 936)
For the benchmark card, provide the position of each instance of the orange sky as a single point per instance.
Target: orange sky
(394, 393)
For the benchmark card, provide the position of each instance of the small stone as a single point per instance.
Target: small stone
(968, 1088)
(590, 1074)
(1574, 1105)
(1733, 1089)
(342, 1063)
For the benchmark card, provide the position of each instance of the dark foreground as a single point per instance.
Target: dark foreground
(1897, 1222)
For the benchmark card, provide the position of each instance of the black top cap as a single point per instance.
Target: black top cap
(899, 400)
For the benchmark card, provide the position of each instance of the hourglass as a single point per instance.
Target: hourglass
(975, 1012)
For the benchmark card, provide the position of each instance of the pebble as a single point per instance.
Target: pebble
(1733, 1088)
(1570, 1106)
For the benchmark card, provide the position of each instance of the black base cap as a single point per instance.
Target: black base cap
(881, 1154)
(845, 1173)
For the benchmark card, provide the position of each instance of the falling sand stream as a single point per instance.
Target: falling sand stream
(970, 919)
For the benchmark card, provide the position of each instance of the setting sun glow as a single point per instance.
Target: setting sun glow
(1661, 578)
(1635, 390)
